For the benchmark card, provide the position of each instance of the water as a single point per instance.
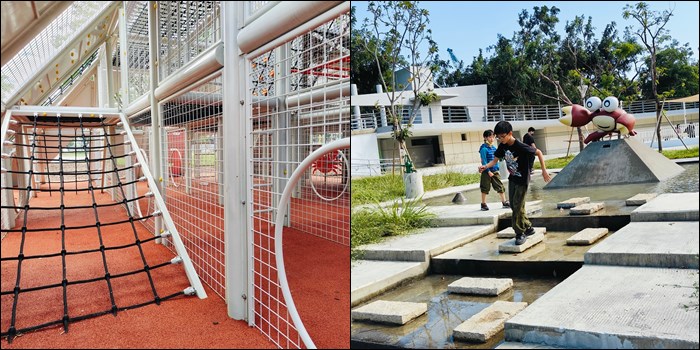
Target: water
(433, 330)
(614, 196)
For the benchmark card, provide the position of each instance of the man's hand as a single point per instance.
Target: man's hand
(481, 168)
(546, 176)
(490, 173)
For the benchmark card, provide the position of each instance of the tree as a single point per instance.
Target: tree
(364, 70)
(653, 34)
(403, 28)
(678, 75)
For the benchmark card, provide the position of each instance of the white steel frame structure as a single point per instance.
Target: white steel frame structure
(226, 100)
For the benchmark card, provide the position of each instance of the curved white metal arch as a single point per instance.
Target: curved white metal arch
(279, 223)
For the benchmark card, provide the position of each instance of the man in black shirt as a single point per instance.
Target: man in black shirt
(529, 139)
(517, 156)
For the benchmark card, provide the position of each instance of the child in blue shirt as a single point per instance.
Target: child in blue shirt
(490, 177)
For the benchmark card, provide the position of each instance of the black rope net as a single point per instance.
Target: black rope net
(106, 265)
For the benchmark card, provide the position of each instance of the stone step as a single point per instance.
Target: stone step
(488, 322)
(370, 278)
(573, 202)
(588, 208)
(471, 214)
(649, 244)
(424, 243)
(669, 207)
(640, 199)
(480, 286)
(587, 236)
(508, 232)
(510, 247)
(613, 307)
(393, 312)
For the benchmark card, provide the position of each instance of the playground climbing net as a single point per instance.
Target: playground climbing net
(92, 244)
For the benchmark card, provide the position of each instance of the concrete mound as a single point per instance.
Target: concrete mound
(612, 162)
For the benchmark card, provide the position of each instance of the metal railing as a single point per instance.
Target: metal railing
(494, 113)
(373, 167)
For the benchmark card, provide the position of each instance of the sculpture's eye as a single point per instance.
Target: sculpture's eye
(593, 103)
(610, 103)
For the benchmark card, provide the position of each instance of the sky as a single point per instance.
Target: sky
(467, 26)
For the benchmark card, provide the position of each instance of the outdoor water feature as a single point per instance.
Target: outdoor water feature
(480, 258)
(433, 330)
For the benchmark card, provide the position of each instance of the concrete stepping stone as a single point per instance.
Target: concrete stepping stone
(587, 236)
(573, 202)
(488, 322)
(510, 247)
(393, 312)
(640, 199)
(480, 286)
(588, 208)
(508, 232)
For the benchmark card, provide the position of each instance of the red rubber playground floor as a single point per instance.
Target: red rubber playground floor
(179, 322)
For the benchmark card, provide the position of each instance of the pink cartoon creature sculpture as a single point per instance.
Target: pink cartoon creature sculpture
(605, 115)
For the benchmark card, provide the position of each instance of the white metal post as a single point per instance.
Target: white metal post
(238, 297)
(156, 122)
(124, 58)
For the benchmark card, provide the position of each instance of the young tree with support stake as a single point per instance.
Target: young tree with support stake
(653, 34)
(402, 27)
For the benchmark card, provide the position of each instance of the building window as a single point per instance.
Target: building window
(464, 137)
(456, 114)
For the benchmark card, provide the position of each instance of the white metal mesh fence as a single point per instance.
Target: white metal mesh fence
(187, 28)
(191, 146)
(138, 55)
(300, 95)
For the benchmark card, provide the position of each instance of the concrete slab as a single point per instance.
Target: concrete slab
(587, 236)
(652, 244)
(510, 247)
(486, 249)
(603, 307)
(508, 232)
(471, 214)
(369, 278)
(640, 199)
(424, 243)
(482, 326)
(669, 207)
(588, 208)
(572, 202)
(394, 312)
(480, 286)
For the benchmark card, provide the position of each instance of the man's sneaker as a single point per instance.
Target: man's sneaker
(520, 239)
(530, 231)
(506, 204)
(484, 207)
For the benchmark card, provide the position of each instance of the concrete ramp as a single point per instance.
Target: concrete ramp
(614, 307)
(612, 162)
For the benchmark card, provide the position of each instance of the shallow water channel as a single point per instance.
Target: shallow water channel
(433, 330)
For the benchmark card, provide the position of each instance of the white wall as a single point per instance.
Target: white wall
(364, 155)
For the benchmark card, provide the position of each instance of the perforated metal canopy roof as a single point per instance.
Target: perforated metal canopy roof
(54, 39)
